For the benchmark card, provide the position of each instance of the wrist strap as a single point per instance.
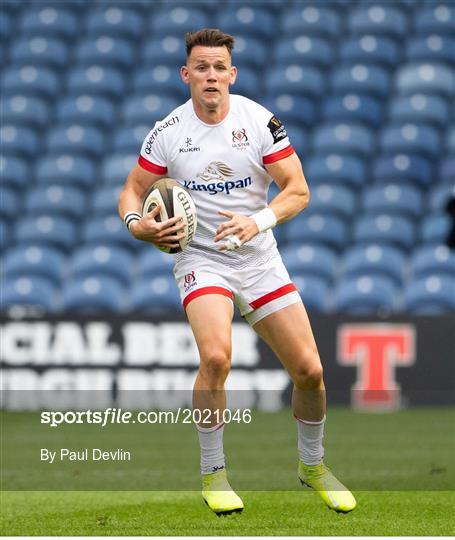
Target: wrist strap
(130, 217)
(265, 219)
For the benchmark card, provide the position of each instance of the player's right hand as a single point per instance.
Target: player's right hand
(163, 234)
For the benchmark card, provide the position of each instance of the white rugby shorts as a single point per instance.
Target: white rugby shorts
(257, 291)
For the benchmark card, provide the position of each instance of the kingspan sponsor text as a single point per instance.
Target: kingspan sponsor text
(218, 187)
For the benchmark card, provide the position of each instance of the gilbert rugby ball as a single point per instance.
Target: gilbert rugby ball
(174, 201)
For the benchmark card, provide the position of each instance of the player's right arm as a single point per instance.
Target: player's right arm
(162, 234)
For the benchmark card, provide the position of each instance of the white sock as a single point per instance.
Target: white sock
(310, 435)
(211, 444)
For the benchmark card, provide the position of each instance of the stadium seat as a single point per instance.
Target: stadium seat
(412, 138)
(433, 259)
(105, 51)
(314, 260)
(428, 108)
(115, 169)
(385, 229)
(446, 170)
(435, 229)
(362, 79)
(332, 199)
(403, 168)
(450, 140)
(365, 295)
(370, 49)
(247, 21)
(152, 262)
(430, 295)
(176, 21)
(101, 260)
(305, 50)
(298, 138)
(154, 296)
(24, 111)
(5, 235)
(19, 141)
(344, 138)
(377, 18)
(104, 200)
(147, 108)
(14, 171)
(29, 80)
(129, 139)
(314, 291)
(66, 169)
(336, 169)
(49, 21)
(432, 48)
(55, 200)
(34, 292)
(373, 260)
(6, 26)
(353, 108)
(250, 52)
(393, 199)
(167, 50)
(114, 20)
(9, 203)
(162, 80)
(109, 230)
(440, 196)
(53, 231)
(96, 80)
(426, 78)
(93, 295)
(311, 20)
(80, 139)
(296, 80)
(34, 260)
(439, 18)
(314, 228)
(39, 51)
(291, 109)
(86, 110)
(247, 83)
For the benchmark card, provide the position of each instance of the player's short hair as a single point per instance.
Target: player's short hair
(208, 37)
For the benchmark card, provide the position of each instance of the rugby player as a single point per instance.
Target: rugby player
(226, 150)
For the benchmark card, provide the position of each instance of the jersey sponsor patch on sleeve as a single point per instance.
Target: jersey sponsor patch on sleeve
(276, 129)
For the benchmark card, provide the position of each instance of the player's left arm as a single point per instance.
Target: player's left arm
(292, 199)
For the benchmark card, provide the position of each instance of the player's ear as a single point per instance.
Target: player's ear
(233, 75)
(184, 73)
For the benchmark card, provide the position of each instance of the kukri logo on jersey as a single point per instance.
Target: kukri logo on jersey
(214, 177)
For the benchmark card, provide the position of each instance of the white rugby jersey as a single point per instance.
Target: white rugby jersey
(222, 166)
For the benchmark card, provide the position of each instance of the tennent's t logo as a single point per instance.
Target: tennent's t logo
(376, 349)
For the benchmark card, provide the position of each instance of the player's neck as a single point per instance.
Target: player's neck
(211, 116)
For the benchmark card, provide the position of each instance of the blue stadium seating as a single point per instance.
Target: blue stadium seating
(247, 21)
(344, 138)
(298, 80)
(14, 171)
(393, 198)
(450, 140)
(19, 141)
(310, 260)
(304, 50)
(428, 108)
(291, 109)
(440, 196)
(433, 259)
(439, 18)
(312, 20)
(34, 260)
(66, 169)
(87, 110)
(162, 80)
(435, 78)
(75, 138)
(435, 229)
(115, 169)
(411, 138)
(430, 295)
(29, 80)
(93, 295)
(6, 26)
(168, 50)
(314, 291)
(315, 228)
(101, 260)
(336, 168)
(378, 19)
(104, 200)
(49, 21)
(250, 52)
(115, 20)
(9, 203)
(109, 230)
(5, 234)
(431, 48)
(333, 200)
(361, 78)
(96, 80)
(446, 170)
(129, 139)
(374, 260)
(24, 111)
(28, 291)
(55, 200)
(47, 230)
(247, 83)
(365, 295)
(370, 49)
(105, 51)
(150, 108)
(298, 138)
(152, 262)
(403, 168)
(352, 108)
(177, 20)
(39, 51)
(156, 295)
(385, 229)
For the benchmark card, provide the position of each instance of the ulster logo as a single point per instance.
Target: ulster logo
(189, 281)
(375, 349)
(239, 138)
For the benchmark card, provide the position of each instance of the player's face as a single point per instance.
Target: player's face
(209, 73)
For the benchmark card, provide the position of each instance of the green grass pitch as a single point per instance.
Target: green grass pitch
(399, 465)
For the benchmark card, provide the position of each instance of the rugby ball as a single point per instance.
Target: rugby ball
(174, 201)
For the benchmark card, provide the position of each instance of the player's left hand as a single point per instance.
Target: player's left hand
(243, 227)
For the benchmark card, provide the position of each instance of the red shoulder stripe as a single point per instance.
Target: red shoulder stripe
(151, 167)
(276, 156)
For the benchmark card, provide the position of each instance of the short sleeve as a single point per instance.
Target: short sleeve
(153, 157)
(275, 144)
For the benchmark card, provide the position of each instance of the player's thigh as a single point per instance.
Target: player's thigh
(210, 317)
(288, 333)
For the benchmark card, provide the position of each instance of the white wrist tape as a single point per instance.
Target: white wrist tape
(265, 219)
(232, 242)
(129, 217)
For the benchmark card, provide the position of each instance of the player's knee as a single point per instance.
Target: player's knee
(215, 364)
(309, 377)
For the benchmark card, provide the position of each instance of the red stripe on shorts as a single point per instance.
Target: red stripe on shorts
(206, 290)
(276, 156)
(151, 167)
(278, 293)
